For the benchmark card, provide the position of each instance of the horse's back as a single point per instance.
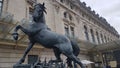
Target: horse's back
(63, 43)
(50, 35)
(50, 38)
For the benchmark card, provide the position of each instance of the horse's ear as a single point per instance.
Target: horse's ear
(44, 7)
(43, 4)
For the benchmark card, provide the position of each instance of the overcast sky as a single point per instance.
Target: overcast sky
(109, 9)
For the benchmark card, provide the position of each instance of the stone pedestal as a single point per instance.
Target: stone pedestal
(38, 66)
(22, 66)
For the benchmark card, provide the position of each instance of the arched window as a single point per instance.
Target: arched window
(98, 37)
(69, 31)
(102, 38)
(72, 31)
(65, 14)
(70, 17)
(92, 35)
(86, 33)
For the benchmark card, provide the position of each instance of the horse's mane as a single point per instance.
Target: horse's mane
(42, 6)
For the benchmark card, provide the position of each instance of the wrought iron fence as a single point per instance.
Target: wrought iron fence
(49, 64)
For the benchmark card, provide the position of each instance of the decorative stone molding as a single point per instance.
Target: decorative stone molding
(31, 2)
(6, 17)
(57, 8)
(77, 18)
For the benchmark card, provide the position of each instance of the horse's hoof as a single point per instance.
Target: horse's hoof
(56, 61)
(83, 67)
(17, 64)
(20, 62)
(15, 36)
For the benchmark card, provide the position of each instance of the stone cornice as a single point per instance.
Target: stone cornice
(31, 2)
(102, 21)
(68, 9)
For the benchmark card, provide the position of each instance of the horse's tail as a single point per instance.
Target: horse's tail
(76, 51)
(76, 48)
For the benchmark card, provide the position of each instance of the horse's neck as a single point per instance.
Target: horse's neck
(42, 19)
(42, 22)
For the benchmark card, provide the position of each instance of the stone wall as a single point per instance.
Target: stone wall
(56, 21)
(9, 56)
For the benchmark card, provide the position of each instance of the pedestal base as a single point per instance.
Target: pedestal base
(38, 66)
(22, 66)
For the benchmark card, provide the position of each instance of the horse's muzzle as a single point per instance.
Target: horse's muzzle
(15, 36)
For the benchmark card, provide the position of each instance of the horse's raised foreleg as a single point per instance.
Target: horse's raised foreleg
(30, 45)
(57, 54)
(15, 34)
(69, 63)
(19, 27)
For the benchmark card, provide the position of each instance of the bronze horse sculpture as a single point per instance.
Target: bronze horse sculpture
(39, 33)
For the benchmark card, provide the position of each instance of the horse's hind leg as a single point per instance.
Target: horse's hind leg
(66, 49)
(75, 59)
(69, 62)
(57, 54)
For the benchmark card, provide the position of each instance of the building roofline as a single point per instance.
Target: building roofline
(102, 20)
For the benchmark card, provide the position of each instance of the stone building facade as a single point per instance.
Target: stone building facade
(68, 17)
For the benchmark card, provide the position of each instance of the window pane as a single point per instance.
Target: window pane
(86, 33)
(98, 37)
(70, 17)
(92, 35)
(72, 31)
(66, 30)
(32, 59)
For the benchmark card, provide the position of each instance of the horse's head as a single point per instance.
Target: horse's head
(39, 10)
